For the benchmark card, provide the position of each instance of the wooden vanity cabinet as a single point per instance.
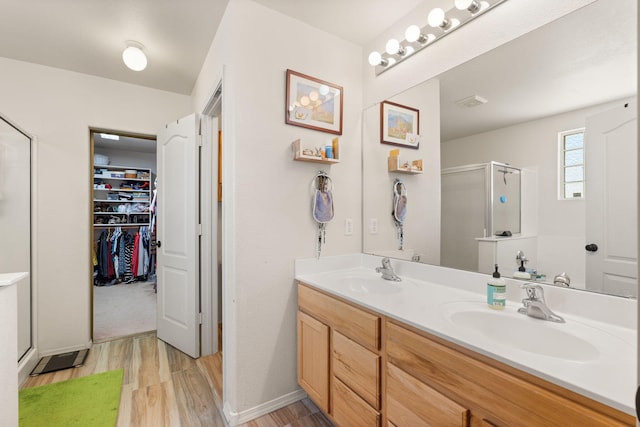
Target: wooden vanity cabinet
(365, 370)
(352, 351)
(492, 393)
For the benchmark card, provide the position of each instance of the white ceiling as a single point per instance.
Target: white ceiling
(88, 36)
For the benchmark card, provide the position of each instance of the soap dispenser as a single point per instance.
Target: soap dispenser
(496, 291)
(522, 272)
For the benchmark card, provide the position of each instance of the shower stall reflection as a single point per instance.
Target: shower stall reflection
(478, 201)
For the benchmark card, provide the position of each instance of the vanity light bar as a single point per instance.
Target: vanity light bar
(439, 24)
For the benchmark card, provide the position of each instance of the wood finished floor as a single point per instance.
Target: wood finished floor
(163, 387)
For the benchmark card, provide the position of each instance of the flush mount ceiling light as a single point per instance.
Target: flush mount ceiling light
(133, 56)
(439, 24)
(110, 136)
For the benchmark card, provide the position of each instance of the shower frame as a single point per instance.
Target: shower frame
(489, 191)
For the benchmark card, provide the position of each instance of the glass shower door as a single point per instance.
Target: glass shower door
(15, 221)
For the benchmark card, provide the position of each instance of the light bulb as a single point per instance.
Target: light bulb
(134, 57)
(375, 58)
(437, 19)
(412, 34)
(471, 5)
(392, 47)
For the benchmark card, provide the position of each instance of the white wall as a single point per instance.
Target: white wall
(135, 159)
(58, 107)
(422, 225)
(272, 199)
(533, 146)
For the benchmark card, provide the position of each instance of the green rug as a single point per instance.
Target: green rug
(88, 401)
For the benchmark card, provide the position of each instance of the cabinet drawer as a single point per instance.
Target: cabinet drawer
(349, 410)
(413, 403)
(496, 391)
(357, 324)
(357, 367)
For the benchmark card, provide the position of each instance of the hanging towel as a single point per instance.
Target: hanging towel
(399, 202)
(323, 200)
(323, 206)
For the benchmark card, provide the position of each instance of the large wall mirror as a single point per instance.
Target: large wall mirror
(15, 221)
(546, 91)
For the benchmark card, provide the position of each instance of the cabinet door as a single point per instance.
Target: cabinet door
(313, 359)
(412, 403)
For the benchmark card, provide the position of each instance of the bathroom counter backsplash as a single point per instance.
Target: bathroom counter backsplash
(424, 298)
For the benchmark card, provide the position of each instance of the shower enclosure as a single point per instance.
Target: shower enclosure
(15, 221)
(478, 201)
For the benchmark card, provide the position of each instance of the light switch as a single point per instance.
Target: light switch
(373, 226)
(348, 227)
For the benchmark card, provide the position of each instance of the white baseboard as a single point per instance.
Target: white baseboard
(237, 418)
(63, 350)
(26, 365)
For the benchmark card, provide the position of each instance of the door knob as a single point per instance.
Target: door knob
(159, 243)
(591, 247)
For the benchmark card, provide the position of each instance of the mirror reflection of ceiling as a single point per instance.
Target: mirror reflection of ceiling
(559, 71)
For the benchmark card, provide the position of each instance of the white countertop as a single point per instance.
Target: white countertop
(7, 279)
(604, 368)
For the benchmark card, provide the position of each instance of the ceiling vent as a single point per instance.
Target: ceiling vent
(471, 101)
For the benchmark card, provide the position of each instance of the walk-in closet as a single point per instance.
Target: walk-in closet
(123, 235)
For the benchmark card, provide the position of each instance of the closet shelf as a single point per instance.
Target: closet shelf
(121, 213)
(104, 198)
(120, 201)
(118, 179)
(120, 225)
(115, 190)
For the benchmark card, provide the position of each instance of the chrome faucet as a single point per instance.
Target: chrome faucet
(535, 306)
(387, 271)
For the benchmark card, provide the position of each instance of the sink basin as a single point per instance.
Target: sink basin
(509, 328)
(365, 282)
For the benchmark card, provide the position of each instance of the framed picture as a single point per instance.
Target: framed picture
(313, 103)
(399, 125)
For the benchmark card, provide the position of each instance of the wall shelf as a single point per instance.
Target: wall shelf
(298, 155)
(414, 168)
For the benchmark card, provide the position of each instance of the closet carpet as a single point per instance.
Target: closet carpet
(122, 310)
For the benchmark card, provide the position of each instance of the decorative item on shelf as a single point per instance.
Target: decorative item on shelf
(439, 24)
(399, 125)
(396, 165)
(313, 103)
(317, 154)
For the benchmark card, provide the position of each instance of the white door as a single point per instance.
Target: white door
(611, 200)
(178, 231)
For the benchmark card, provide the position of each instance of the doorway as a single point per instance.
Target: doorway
(122, 234)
